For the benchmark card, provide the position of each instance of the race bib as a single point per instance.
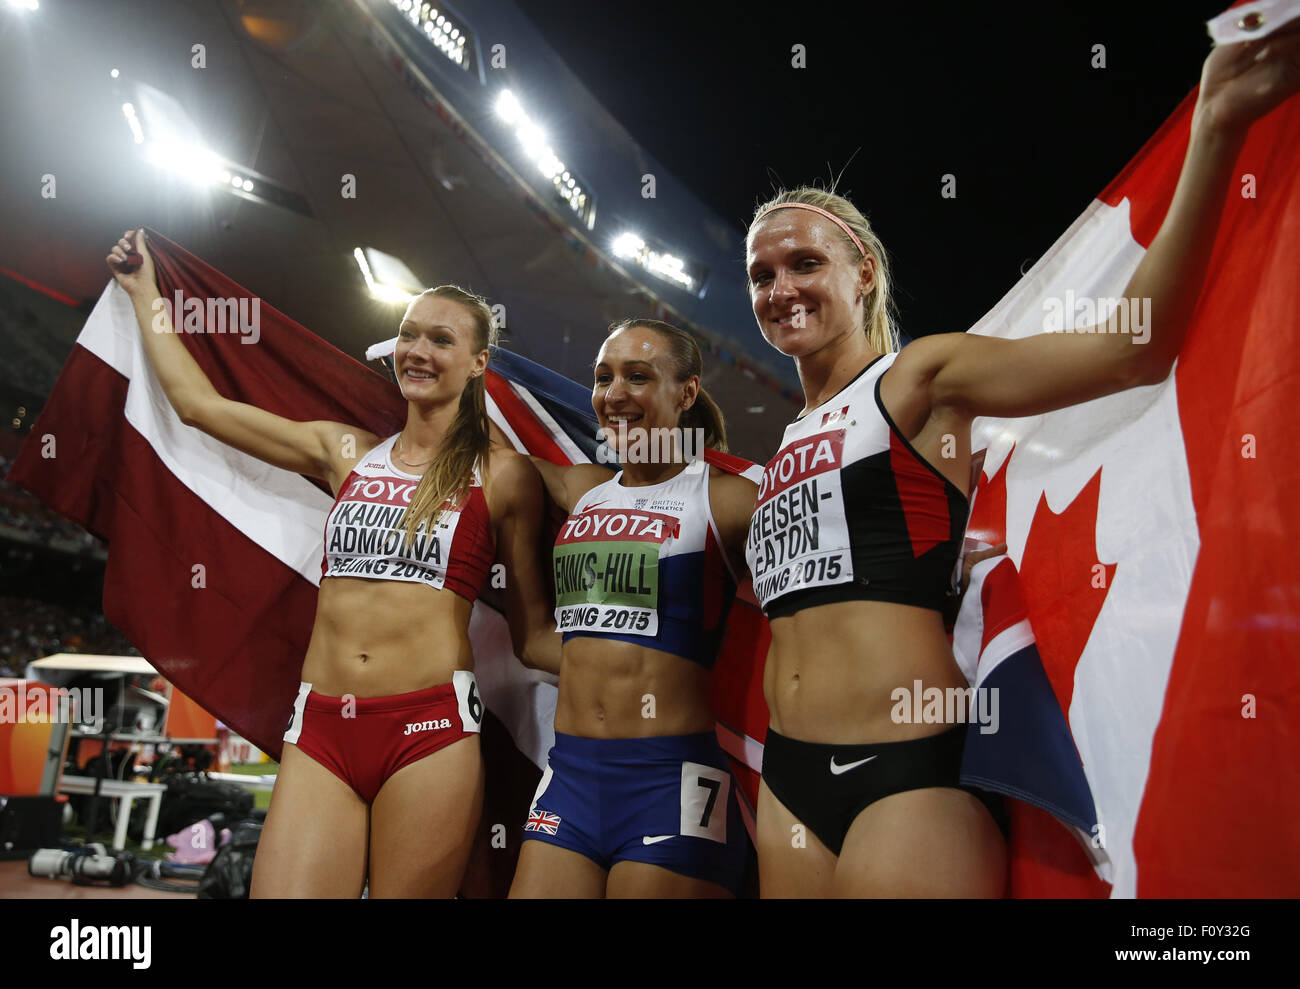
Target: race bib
(365, 535)
(799, 535)
(607, 571)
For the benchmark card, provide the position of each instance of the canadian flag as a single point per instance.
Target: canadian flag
(1155, 533)
(1145, 628)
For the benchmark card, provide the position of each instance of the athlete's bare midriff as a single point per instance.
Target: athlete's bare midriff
(831, 670)
(611, 689)
(377, 638)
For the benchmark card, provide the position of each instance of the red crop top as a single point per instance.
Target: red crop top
(365, 532)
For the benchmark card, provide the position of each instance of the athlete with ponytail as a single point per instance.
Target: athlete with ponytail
(381, 776)
(855, 606)
(636, 799)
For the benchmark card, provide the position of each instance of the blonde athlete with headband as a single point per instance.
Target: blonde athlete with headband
(637, 799)
(860, 518)
(381, 775)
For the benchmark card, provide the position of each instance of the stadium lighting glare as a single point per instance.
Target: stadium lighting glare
(632, 247)
(388, 278)
(445, 31)
(114, 73)
(24, 4)
(133, 122)
(532, 141)
(508, 108)
(627, 245)
(193, 162)
(668, 266)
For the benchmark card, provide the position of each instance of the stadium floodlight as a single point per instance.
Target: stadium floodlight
(508, 108)
(628, 245)
(172, 141)
(655, 259)
(443, 29)
(192, 162)
(532, 141)
(133, 122)
(388, 278)
(669, 266)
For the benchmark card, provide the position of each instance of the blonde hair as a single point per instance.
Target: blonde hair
(880, 320)
(684, 353)
(468, 439)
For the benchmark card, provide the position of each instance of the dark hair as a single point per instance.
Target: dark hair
(684, 353)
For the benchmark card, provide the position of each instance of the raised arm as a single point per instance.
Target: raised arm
(312, 448)
(978, 375)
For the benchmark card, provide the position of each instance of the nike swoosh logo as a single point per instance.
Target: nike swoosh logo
(657, 838)
(836, 770)
(596, 505)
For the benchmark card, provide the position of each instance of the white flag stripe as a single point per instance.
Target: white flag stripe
(561, 438)
(1229, 27)
(1003, 646)
(523, 698)
(278, 510)
(494, 414)
(741, 747)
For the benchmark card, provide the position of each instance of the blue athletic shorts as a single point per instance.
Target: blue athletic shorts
(667, 801)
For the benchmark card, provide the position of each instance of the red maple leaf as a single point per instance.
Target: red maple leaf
(1063, 582)
(1064, 586)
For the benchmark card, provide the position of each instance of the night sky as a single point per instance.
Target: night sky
(1002, 96)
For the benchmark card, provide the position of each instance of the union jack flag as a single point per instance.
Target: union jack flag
(543, 820)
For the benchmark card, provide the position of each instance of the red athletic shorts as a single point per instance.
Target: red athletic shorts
(365, 740)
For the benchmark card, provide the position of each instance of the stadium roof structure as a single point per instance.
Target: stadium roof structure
(341, 124)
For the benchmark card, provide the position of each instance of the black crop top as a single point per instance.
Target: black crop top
(849, 511)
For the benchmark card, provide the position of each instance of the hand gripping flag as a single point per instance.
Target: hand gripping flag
(1150, 531)
(1155, 533)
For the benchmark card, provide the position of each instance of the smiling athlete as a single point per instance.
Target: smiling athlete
(636, 799)
(381, 775)
(861, 511)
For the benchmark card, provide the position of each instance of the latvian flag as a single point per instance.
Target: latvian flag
(1153, 708)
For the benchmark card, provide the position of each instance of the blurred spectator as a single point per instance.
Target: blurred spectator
(20, 511)
(31, 629)
(32, 357)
